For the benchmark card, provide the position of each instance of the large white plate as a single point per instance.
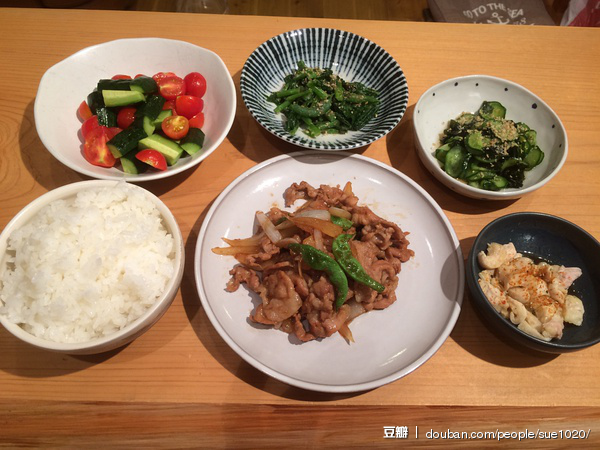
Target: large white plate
(389, 343)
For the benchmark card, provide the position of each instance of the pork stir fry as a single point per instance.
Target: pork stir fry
(320, 267)
(533, 296)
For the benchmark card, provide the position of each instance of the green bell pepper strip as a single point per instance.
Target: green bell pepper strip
(343, 255)
(342, 222)
(319, 260)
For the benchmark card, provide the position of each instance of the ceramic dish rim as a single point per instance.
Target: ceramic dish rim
(314, 386)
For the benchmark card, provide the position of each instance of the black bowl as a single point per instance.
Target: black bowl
(557, 241)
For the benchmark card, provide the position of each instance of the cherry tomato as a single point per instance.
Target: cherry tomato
(170, 104)
(197, 121)
(89, 125)
(195, 84)
(175, 127)
(153, 158)
(125, 117)
(188, 105)
(160, 75)
(121, 77)
(139, 75)
(171, 87)
(95, 150)
(84, 111)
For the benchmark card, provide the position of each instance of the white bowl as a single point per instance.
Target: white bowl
(133, 329)
(65, 85)
(447, 100)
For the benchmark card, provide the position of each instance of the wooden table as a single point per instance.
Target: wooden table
(180, 385)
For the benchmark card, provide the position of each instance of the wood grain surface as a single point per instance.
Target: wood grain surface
(180, 385)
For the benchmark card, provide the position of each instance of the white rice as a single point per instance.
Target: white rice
(86, 266)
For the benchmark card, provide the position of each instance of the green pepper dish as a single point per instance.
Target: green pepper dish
(319, 102)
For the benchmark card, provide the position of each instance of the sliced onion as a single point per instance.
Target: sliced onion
(344, 330)
(310, 240)
(322, 214)
(272, 233)
(284, 242)
(248, 242)
(339, 212)
(327, 227)
(284, 225)
(289, 232)
(318, 239)
(356, 309)
(248, 250)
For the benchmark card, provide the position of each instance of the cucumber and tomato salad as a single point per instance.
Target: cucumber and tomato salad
(143, 121)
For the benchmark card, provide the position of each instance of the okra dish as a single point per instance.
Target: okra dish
(488, 151)
(319, 267)
(144, 122)
(319, 102)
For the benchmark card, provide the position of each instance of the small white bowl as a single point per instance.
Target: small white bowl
(133, 329)
(448, 99)
(65, 85)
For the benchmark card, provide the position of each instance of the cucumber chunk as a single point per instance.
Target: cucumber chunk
(148, 126)
(128, 166)
(121, 98)
(494, 184)
(113, 85)
(441, 152)
(95, 101)
(476, 143)
(533, 158)
(481, 175)
(152, 107)
(162, 116)
(492, 110)
(465, 118)
(503, 129)
(486, 159)
(522, 127)
(455, 162)
(510, 162)
(531, 137)
(170, 149)
(193, 141)
(145, 85)
(125, 141)
(144, 123)
(106, 117)
(132, 165)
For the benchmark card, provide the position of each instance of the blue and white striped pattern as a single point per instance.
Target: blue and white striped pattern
(350, 56)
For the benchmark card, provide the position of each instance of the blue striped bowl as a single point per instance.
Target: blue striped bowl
(350, 56)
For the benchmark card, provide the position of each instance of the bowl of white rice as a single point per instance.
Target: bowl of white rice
(89, 266)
